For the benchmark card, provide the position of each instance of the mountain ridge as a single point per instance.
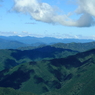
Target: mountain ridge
(12, 57)
(15, 42)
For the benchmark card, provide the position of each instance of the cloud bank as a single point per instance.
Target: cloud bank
(46, 13)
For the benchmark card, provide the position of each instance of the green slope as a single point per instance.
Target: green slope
(82, 83)
(6, 60)
(11, 58)
(73, 75)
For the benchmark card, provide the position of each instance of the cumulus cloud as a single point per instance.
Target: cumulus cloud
(86, 8)
(46, 13)
(39, 11)
(85, 20)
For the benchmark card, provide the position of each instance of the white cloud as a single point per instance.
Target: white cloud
(58, 36)
(46, 13)
(39, 11)
(85, 21)
(8, 33)
(87, 9)
(86, 6)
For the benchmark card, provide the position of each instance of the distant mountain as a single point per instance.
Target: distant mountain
(44, 40)
(75, 46)
(9, 44)
(10, 58)
(80, 47)
(15, 42)
(73, 75)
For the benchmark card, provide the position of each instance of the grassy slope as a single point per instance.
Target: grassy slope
(66, 76)
(83, 81)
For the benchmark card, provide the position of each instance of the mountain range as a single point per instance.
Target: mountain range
(73, 75)
(11, 57)
(42, 69)
(14, 42)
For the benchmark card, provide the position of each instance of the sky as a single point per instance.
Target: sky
(48, 18)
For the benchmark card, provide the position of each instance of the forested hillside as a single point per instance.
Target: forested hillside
(72, 75)
(11, 57)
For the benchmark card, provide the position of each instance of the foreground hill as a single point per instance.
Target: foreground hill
(10, 58)
(74, 75)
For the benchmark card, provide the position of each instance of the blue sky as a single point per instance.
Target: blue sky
(51, 18)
